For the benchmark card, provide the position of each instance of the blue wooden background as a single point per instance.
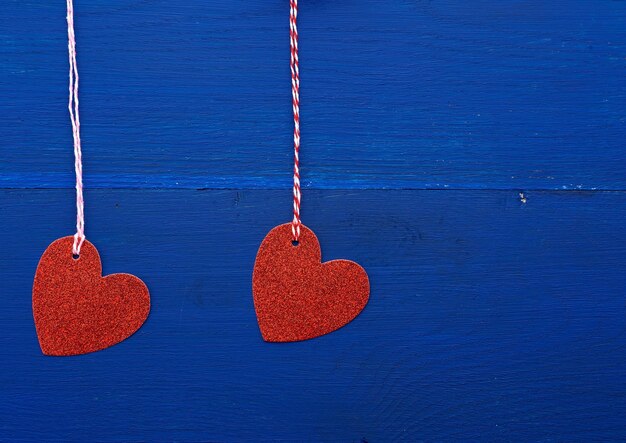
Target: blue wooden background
(492, 317)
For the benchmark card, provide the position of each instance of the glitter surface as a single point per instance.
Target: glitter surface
(78, 311)
(296, 297)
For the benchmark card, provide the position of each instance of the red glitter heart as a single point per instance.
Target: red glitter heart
(78, 311)
(296, 297)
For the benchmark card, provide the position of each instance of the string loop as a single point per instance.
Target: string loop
(295, 94)
(79, 237)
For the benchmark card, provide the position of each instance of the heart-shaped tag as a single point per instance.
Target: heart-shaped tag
(78, 311)
(296, 296)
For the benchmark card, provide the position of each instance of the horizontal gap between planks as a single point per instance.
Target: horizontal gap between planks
(161, 182)
(555, 191)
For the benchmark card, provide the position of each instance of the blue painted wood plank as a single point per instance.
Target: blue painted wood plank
(405, 94)
(490, 319)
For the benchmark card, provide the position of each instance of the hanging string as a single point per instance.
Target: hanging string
(79, 237)
(295, 93)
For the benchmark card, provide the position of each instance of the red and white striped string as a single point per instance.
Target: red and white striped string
(79, 237)
(295, 93)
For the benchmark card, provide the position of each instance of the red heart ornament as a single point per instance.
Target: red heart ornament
(296, 296)
(78, 311)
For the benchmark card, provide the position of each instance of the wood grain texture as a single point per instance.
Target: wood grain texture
(490, 318)
(404, 94)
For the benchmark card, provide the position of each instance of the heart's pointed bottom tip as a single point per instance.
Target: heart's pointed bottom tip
(268, 338)
(270, 335)
(52, 352)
